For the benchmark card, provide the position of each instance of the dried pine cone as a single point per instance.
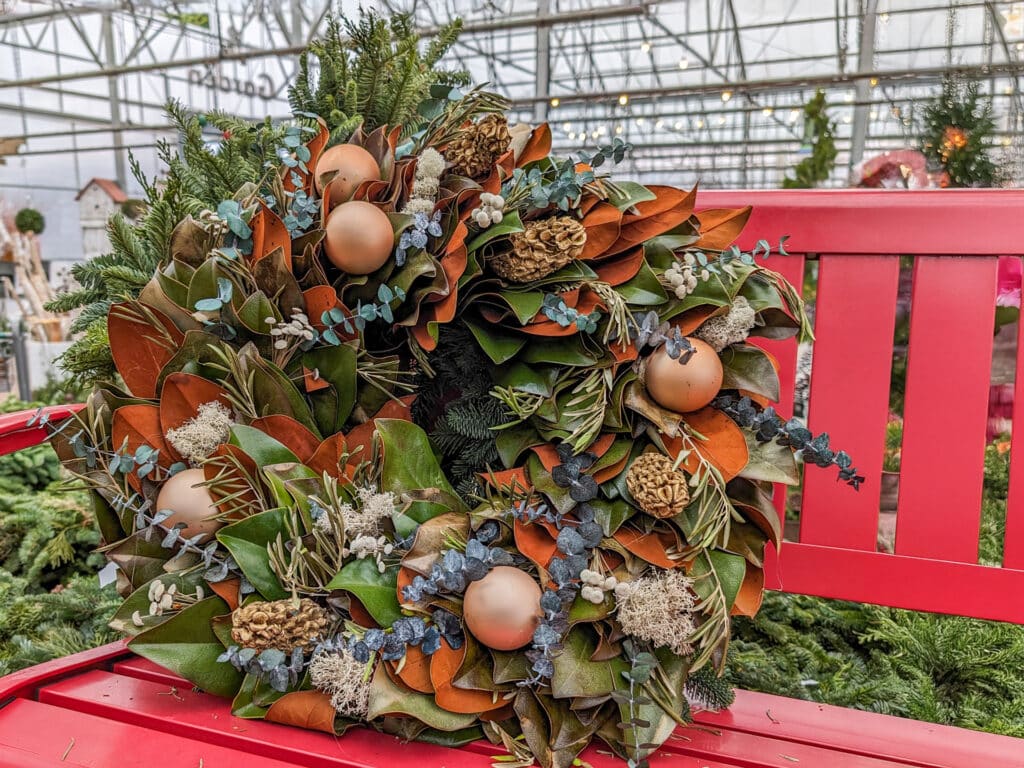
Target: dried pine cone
(658, 488)
(279, 624)
(546, 246)
(478, 147)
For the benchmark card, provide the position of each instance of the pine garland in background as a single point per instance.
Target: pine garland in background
(371, 72)
(819, 132)
(957, 130)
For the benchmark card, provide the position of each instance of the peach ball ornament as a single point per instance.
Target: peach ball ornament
(684, 387)
(502, 609)
(190, 502)
(352, 166)
(358, 237)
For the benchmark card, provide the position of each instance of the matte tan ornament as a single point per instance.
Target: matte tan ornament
(544, 247)
(358, 237)
(352, 166)
(656, 485)
(280, 624)
(502, 609)
(190, 502)
(684, 387)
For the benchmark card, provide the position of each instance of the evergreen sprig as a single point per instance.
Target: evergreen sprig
(819, 132)
(960, 112)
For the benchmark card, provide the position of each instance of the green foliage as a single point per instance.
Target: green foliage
(371, 72)
(960, 108)
(29, 220)
(893, 445)
(941, 669)
(819, 132)
(456, 408)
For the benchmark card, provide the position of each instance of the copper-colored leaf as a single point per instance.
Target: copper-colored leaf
(181, 396)
(670, 208)
(510, 478)
(290, 433)
(622, 268)
(548, 454)
(227, 591)
(359, 614)
(136, 425)
(719, 227)
(444, 665)
(602, 224)
(268, 234)
(724, 446)
(415, 671)
(360, 438)
(535, 541)
(327, 457)
(538, 147)
(690, 321)
(142, 342)
(304, 709)
(651, 547)
(748, 599)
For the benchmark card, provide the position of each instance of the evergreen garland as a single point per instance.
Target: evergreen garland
(956, 131)
(819, 131)
(455, 406)
(371, 72)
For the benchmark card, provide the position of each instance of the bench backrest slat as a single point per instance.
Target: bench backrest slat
(854, 317)
(952, 314)
(858, 236)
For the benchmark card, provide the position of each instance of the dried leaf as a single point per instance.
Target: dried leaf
(415, 671)
(748, 599)
(444, 666)
(142, 341)
(719, 227)
(536, 541)
(537, 147)
(268, 234)
(651, 547)
(227, 590)
(290, 433)
(304, 709)
(602, 224)
(182, 394)
(725, 445)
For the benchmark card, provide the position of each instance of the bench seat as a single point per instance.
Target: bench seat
(97, 708)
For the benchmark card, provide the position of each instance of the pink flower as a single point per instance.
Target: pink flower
(1008, 283)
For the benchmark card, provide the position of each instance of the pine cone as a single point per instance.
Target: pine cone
(278, 624)
(546, 246)
(658, 488)
(475, 151)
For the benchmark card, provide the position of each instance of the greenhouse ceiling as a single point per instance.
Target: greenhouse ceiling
(708, 90)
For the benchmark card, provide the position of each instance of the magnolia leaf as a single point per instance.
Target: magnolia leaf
(304, 709)
(501, 346)
(261, 447)
(139, 600)
(247, 542)
(626, 194)
(186, 645)
(750, 368)
(769, 461)
(376, 591)
(576, 675)
(337, 366)
(386, 698)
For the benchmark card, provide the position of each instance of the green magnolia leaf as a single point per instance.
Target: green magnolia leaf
(386, 698)
(643, 289)
(254, 698)
(139, 600)
(513, 441)
(261, 447)
(203, 284)
(610, 515)
(769, 461)
(534, 380)
(585, 612)
(510, 667)
(642, 740)
(749, 368)
(254, 312)
(576, 675)
(525, 304)
(186, 644)
(376, 591)
(729, 570)
(499, 345)
(337, 366)
(140, 556)
(247, 542)
(293, 484)
(409, 461)
(509, 223)
(626, 194)
(567, 350)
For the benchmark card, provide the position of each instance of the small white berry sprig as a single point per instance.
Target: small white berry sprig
(682, 277)
(490, 211)
(595, 585)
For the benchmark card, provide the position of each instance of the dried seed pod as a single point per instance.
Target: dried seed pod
(544, 247)
(280, 624)
(475, 151)
(658, 487)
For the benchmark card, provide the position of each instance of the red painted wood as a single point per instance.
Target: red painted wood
(144, 669)
(946, 407)
(864, 733)
(1013, 550)
(44, 732)
(23, 428)
(854, 319)
(23, 682)
(920, 584)
(884, 222)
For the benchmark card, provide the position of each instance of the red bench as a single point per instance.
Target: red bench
(96, 708)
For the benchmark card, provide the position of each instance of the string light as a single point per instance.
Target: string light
(793, 115)
(618, 130)
(721, 120)
(566, 126)
(678, 125)
(572, 134)
(874, 82)
(659, 124)
(767, 111)
(595, 133)
(645, 46)
(555, 101)
(700, 123)
(623, 100)
(684, 63)
(726, 95)
(640, 121)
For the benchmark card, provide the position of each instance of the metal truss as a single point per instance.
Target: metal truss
(704, 89)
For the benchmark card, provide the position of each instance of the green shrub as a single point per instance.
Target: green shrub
(29, 220)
